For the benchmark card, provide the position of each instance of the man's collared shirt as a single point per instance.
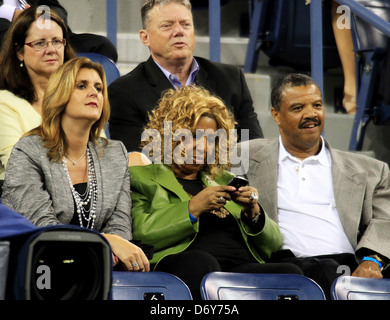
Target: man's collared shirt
(308, 217)
(175, 81)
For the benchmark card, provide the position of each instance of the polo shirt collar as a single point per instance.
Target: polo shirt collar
(323, 157)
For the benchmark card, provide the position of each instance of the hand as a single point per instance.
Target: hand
(131, 257)
(208, 199)
(250, 206)
(368, 269)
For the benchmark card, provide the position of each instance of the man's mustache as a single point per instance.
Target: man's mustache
(315, 121)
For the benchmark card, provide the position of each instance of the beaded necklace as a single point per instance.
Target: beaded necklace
(84, 212)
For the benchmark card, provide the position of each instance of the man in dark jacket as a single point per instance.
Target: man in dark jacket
(168, 31)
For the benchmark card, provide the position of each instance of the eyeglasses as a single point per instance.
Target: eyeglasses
(43, 44)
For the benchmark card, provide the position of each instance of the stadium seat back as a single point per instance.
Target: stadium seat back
(356, 288)
(256, 286)
(285, 35)
(110, 68)
(148, 286)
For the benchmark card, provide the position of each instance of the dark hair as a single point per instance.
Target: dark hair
(13, 77)
(150, 4)
(288, 81)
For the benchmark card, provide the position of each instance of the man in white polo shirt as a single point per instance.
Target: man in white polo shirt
(332, 207)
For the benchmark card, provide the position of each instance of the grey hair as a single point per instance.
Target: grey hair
(288, 81)
(150, 4)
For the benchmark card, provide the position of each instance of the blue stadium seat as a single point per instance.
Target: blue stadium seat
(110, 68)
(285, 39)
(355, 288)
(148, 286)
(370, 46)
(256, 286)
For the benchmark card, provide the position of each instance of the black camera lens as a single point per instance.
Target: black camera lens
(66, 271)
(61, 263)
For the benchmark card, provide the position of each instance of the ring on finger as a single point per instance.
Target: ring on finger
(253, 196)
(135, 265)
(221, 199)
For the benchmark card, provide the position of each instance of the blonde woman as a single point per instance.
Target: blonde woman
(182, 205)
(62, 172)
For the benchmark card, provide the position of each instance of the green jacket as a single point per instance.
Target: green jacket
(161, 219)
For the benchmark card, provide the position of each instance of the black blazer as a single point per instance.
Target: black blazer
(135, 94)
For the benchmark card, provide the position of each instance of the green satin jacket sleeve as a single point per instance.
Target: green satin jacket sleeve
(161, 219)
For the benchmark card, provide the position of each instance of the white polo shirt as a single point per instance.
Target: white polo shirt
(308, 217)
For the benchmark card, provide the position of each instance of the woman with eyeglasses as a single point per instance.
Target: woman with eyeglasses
(34, 47)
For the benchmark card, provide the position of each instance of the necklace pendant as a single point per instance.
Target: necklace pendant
(221, 212)
(75, 162)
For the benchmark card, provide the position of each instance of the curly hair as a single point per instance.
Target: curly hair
(183, 108)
